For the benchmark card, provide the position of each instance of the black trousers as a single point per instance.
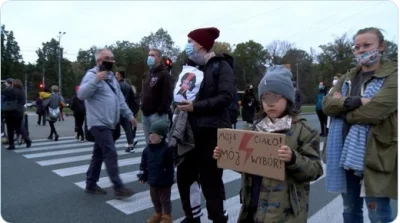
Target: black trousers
(14, 124)
(323, 120)
(79, 120)
(41, 118)
(200, 166)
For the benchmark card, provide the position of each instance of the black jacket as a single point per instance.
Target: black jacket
(156, 166)
(77, 106)
(215, 95)
(18, 96)
(129, 95)
(157, 92)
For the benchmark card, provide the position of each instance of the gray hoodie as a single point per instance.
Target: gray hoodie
(103, 106)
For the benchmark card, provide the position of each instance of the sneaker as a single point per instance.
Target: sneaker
(166, 218)
(95, 190)
(156, 218)
(130, 149)
(123, 193)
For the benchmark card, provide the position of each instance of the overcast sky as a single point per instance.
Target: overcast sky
(87, 23)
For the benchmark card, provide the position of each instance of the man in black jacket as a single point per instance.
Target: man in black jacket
(129, 95)
(207, 113)
(156, 92)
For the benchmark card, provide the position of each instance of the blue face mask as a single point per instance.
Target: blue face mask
(321, 87)
(151, 61)
(189, 49)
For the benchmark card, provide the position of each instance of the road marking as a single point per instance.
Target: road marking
(76, 150)
(69, 171)
(104, 182)
(62, 146)
(141, 201)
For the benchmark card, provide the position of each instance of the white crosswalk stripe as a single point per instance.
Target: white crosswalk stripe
(70, 158)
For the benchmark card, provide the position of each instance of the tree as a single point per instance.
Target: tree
(12, 64)
(301, 64)
(222, 47)
(162, 41)
(391, 51)
(86, 58)
(250, 60)
(277, 49)
(48, 59)
(336, 57)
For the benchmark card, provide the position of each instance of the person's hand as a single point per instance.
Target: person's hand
(285, 153)
(133, 121)
(101, 75)
(337, 95)
(186, 106)
(365, 100)
(217, 153)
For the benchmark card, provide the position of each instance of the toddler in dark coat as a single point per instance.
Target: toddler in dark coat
(156, 168)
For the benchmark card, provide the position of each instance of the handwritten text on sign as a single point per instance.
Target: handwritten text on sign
(251, 152)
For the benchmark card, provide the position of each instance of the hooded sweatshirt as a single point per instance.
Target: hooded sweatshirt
(103, 106)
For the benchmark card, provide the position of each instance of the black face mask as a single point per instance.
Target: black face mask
(108, 65)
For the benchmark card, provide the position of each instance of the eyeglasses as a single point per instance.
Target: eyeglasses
(271, 98)
(357, 47)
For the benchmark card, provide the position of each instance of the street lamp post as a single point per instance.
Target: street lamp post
(60, 34)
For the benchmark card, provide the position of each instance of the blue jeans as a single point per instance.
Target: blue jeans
(148, 120)
(379, 210)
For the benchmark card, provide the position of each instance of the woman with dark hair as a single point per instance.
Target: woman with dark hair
(249, 105)
(323, 119)
(14, 112)
(40, 111)
(78, 108)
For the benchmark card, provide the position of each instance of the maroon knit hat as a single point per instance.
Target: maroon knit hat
(205, 36)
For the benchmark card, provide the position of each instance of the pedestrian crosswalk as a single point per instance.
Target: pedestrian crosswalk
(69, 158)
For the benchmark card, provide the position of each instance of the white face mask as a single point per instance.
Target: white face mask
(334, 82)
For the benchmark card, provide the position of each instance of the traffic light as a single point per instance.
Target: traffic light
(41, 86)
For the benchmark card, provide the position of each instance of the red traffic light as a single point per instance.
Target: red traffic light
(41, 85)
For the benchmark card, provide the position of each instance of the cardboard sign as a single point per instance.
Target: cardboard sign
(251, 152)
(188, 84)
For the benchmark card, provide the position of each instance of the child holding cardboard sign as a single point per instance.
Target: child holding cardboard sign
(270, 200)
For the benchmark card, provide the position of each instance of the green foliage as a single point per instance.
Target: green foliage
(252, 60)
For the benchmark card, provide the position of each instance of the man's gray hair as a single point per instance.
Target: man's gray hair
(98, 52)
(156, 50)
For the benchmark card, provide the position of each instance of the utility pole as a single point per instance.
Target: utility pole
(43, 78)
(60, 34)
(26, 88)
(297, 75)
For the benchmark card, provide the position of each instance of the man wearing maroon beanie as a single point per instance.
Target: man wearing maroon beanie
(207, 113)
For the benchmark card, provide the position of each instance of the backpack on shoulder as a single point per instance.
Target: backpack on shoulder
(234, 107)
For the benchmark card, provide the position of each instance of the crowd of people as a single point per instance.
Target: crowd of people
(180, 123)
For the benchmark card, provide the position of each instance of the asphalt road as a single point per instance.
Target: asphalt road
(45, 184)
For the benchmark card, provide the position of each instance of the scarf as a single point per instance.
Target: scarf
(349, 155)
(278, 124)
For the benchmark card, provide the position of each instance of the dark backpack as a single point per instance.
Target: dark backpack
(233, 108)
